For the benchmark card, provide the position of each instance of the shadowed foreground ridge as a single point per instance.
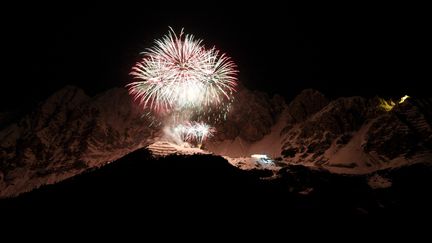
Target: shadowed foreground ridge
(181, 185)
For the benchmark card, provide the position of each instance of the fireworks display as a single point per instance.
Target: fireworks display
(179, 72)
(196, 132)
(181, 80)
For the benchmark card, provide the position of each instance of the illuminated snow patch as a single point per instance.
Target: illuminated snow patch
(262, 159)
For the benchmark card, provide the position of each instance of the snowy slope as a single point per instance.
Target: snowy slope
(71, 132)
(165, 148)
(354, 135)
(270, 144)
(347, 135)
(67, 134)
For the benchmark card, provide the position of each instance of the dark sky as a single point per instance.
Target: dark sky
(351, 52)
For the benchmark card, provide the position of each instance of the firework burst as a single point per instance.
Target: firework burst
(196, 132)
(180, 73)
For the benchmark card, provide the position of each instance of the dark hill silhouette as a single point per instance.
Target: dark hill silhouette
(204, 187)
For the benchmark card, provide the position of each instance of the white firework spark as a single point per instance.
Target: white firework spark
(178, 73)
(196, 132)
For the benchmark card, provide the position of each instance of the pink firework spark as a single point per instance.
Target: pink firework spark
(179, 72)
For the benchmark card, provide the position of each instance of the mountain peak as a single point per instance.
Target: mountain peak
(305, 104)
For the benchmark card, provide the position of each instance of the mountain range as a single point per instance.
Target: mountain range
(70, 133)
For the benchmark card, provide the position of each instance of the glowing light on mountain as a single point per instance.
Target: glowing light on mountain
(402, 100)
(388, 105)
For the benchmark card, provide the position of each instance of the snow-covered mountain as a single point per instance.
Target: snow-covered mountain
(67, 134)
(71, 132)
(356, 135)
(252, 115)
(345, 135)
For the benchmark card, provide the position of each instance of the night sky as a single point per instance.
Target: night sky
(357, 51)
